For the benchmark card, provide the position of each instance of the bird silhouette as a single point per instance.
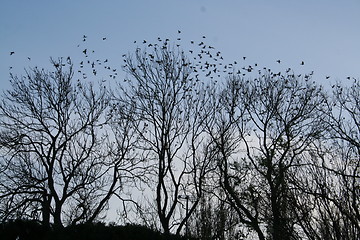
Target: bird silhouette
(278, 61)
(104, 38)
(11, 53)
(302, 63)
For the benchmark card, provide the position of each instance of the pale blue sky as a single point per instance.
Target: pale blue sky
(323, 33)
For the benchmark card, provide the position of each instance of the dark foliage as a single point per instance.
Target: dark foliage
(31, 230)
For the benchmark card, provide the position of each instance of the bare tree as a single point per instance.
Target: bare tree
(55, 161)
(262, 132)
(337, 175)
(167, 107)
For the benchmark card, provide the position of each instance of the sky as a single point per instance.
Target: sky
(325, 34)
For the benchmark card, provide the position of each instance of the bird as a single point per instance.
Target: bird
(302, 63)
(327, 77)
(104, 38)
(179, 31)
(11, 53)
(29, 58)
(244, 58)
(85, 50)
(278, 61)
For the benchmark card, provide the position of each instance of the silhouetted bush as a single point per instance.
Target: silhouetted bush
(23, 229)
(29, 230)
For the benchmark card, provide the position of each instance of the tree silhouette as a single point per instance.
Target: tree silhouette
(55, 165)
(262, 129)
(165, 102)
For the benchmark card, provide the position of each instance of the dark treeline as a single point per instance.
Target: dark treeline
(33, 230)
(185, 144)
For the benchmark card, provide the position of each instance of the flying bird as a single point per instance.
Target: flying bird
(278, 61)
(302, 63)
(11, 53)
(104, 38)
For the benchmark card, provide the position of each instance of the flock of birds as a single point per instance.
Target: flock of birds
(204, 60)
(94, 63)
